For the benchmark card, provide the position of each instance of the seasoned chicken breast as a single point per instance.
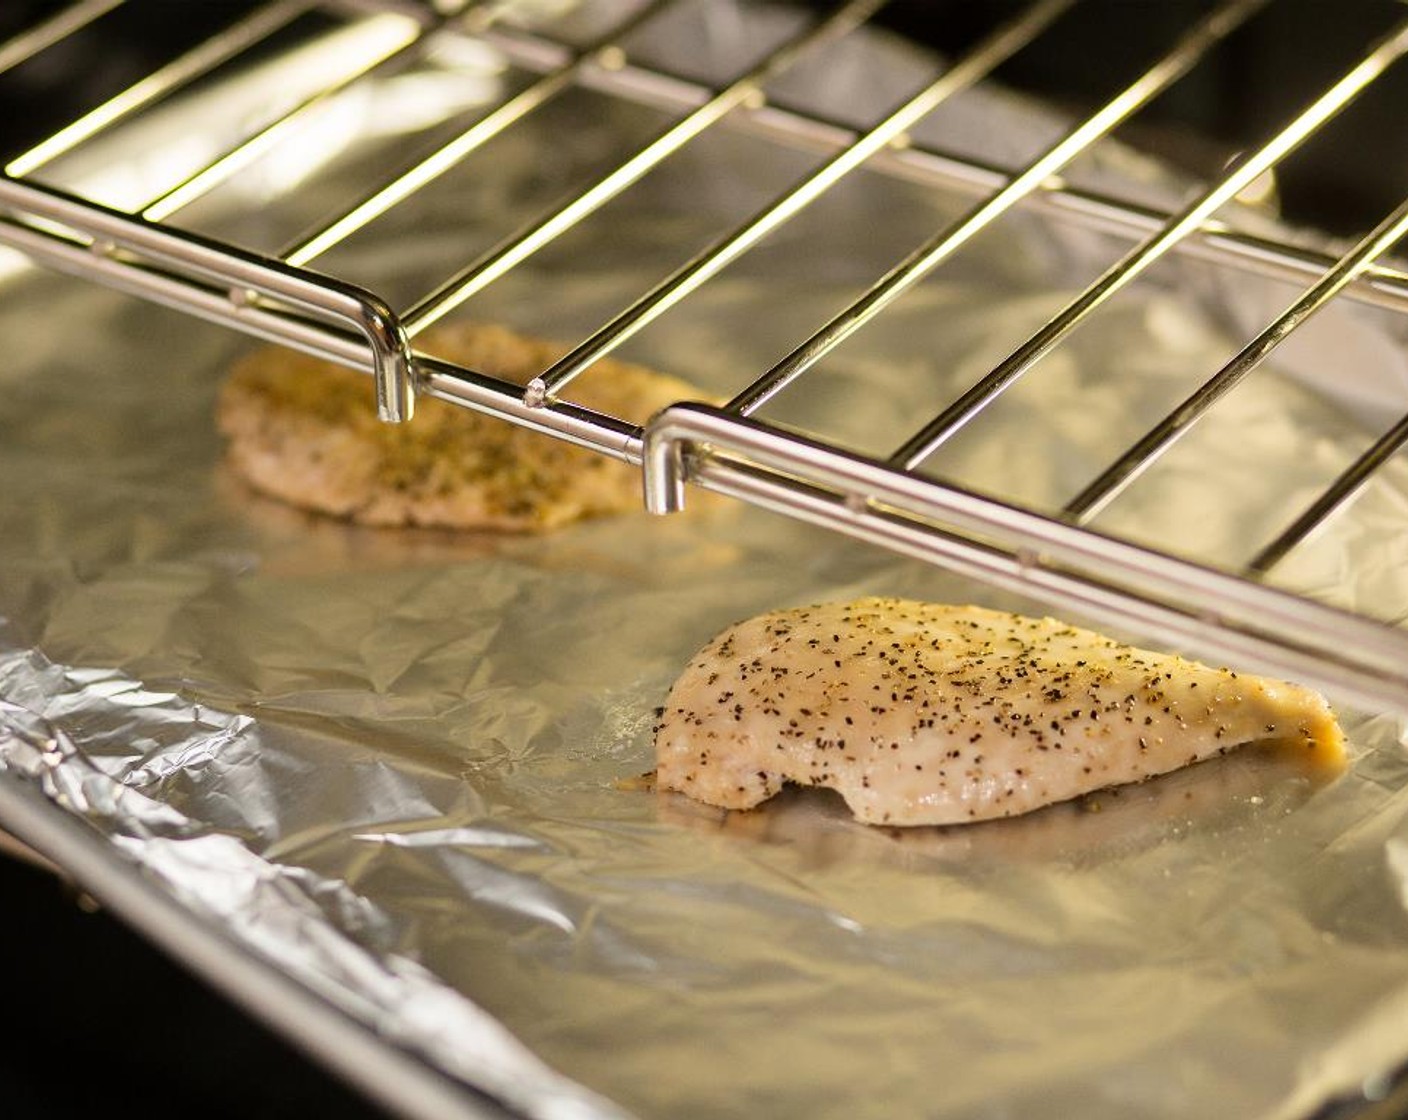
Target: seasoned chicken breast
(921, 713)
(305, 431)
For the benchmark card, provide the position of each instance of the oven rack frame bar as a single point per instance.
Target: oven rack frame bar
(282, 300)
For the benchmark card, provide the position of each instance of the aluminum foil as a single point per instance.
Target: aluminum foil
(392, 762)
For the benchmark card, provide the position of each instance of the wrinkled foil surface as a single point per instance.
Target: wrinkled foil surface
(392, 762)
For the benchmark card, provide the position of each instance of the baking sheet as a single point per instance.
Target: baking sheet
(389, 762)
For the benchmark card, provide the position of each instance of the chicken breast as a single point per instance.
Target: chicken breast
(305, 431)
(922, 713)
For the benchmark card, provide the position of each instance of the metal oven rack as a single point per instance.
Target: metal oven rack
(728, 448)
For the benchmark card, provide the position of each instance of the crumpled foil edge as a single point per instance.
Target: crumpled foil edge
(276, 912)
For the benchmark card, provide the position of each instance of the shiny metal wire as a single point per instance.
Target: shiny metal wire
(977, 64)
(201, 60)
(729, 449)
(443, 159)
(57, 27)
(1129, 267)
(1340, 491)
(1146, 451)
(1213, 241)
(195, 186)
(944, 244)
(748, 87)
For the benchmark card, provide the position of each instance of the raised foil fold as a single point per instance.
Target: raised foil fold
(314, 928)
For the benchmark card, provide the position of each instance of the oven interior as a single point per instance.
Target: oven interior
(849, 246)
(178, 228)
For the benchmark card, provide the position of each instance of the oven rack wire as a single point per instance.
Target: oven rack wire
(884, 500)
